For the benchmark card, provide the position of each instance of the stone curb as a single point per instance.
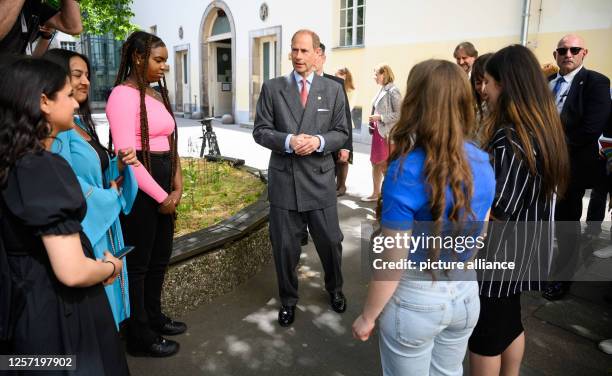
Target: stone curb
(230, 229)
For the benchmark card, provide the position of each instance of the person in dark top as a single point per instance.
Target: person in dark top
(344, 154)
(22, 19)
(525, 139)
(59, 306)
(582, 97)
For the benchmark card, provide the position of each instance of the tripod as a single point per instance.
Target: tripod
(209, 137)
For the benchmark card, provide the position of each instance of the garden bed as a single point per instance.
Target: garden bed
(212, 192)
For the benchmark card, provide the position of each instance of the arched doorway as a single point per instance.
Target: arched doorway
(218, 60)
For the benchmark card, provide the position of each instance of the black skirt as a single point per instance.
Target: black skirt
(499, 324)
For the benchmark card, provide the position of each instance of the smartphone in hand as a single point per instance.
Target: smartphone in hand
(124, 251)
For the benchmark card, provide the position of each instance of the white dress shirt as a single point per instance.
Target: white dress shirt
(564, 88)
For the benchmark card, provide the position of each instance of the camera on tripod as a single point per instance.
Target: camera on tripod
(209, 138)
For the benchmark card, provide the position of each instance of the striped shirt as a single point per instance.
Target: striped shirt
(523, 227)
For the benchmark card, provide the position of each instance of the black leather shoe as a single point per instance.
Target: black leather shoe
(172, 328)
(286, 315)
(555, 291)
(160, 348)
(337, 301)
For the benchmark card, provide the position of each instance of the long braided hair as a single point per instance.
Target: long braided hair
(140, 44)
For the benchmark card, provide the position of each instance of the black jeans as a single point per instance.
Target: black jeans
(151, 234)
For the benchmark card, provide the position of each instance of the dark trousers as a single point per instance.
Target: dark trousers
(568, 212)
(567, 230)
(286, 229)
(597, 206)
(151, 234)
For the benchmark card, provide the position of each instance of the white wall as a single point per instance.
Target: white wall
(189, 14)
(435, 25)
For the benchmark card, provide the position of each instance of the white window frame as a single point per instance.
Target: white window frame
(68, 45)
(355, 7)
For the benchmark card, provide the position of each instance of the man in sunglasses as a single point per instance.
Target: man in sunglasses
(582, 97)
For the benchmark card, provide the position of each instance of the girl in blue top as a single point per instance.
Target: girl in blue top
(107, 181)
(435, 176)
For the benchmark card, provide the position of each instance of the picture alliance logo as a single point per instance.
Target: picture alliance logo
(429, 265)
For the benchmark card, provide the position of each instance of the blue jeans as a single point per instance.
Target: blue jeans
(425, 327)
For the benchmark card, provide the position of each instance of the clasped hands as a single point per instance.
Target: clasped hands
(304, 144)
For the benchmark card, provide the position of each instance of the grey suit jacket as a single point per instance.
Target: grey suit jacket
(389, 107)
(296, 182)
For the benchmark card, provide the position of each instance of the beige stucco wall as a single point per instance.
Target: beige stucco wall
(398, 32)
(402, 33)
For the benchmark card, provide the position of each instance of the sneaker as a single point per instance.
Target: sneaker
(606, 346)
(604, 253)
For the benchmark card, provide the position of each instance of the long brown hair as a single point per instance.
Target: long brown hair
(348, 79)
(526, 103)
(437, 114)
(140, 44)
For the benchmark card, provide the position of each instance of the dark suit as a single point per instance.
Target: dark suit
(584, 116)
(347, 110)
(302, 189)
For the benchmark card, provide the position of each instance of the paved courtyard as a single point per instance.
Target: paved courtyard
(237, 334)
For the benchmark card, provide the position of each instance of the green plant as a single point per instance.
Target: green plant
(213, 191)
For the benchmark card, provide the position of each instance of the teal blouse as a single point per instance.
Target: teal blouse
(104, 204)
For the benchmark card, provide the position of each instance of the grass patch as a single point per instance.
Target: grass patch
(213, 191)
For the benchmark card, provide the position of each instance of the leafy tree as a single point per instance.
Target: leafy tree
(107, 16)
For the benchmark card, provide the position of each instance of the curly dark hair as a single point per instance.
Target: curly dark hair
(22, 124)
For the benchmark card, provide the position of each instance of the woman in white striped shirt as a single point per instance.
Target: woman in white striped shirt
(525, 138)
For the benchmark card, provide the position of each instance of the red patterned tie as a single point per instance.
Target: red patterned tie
(304, 93)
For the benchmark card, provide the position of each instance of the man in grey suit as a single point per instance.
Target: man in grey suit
(301, 118)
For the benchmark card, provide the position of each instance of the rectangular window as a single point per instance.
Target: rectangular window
(352, 22)
(70, 46)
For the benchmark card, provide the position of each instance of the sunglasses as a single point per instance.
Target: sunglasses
(574, 50)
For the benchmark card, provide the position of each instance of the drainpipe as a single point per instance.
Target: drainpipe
(525, 27)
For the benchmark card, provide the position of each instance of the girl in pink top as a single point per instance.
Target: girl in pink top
(142, 118)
